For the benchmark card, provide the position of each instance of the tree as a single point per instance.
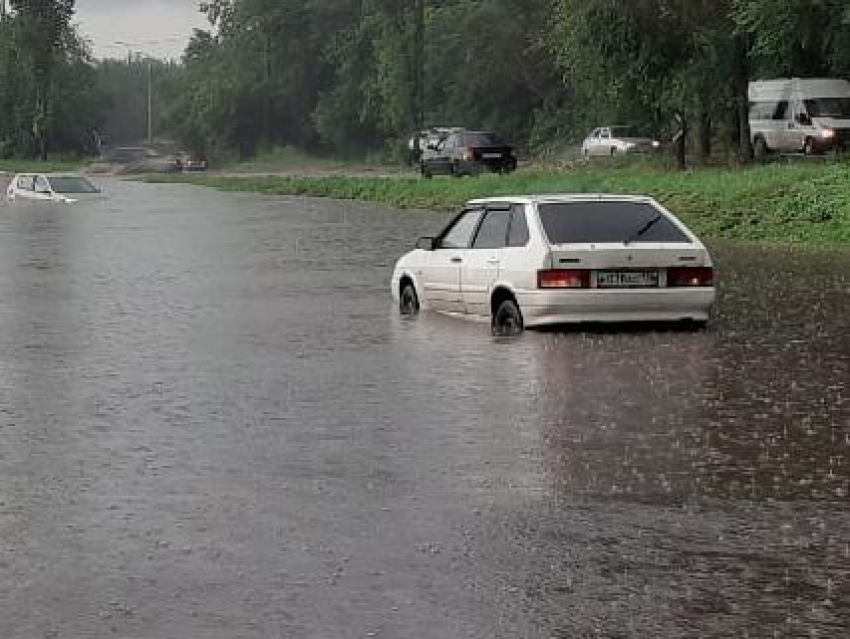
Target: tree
(47, 92)
(43, 28)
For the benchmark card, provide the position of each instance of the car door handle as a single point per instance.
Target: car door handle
(456, 260)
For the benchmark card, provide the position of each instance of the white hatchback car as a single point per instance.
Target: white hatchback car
(557, 259)
(52, 187)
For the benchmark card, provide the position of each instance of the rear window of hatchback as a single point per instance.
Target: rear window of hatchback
(608, 223)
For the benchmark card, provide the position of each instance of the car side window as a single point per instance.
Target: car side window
(595, 133)
(518, 233)
(41, 185)
(459, 235)
(605, 134)
(493, 232)
(25, 183)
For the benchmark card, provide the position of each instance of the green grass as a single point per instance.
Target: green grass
(39, 166)
(795, 204)
(289, 159)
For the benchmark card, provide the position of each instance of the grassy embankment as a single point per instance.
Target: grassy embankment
(39, 166)
(797, 203)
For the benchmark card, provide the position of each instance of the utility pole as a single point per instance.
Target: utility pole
(138, 57)
(419, 63)
(267, 81)
(150, 101)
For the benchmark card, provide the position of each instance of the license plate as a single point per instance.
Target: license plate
(491, 156)
(627, 279)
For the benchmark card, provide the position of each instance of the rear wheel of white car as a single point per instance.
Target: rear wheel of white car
(507, 319)
(809, 147)
(408, 304)
(425, 172)
(760, 149)
(613, 151)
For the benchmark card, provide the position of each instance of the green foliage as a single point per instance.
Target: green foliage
(784, 204)
(125, 83)
(47, 84)
(343, 75)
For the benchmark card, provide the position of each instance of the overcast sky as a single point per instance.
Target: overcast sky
(156, 27)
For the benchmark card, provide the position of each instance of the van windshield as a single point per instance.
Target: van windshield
(829, 108)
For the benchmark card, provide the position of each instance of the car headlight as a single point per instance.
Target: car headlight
(827, 134)
(656, 144)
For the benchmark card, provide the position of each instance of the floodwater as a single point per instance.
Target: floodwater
(213, 425)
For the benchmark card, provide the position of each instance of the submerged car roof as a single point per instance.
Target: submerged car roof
(553, 198)
(50, 175)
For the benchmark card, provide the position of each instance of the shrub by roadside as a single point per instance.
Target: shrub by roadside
(807, 204)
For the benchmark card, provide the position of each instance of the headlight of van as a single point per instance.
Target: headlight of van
(827, 134)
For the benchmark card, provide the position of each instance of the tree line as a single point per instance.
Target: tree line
(353, 77)
(48, 95)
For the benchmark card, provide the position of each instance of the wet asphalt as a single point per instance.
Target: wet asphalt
(213, 424)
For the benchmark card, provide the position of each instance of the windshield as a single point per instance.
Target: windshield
(481, 139)
(829, 108)
(607, 222)
(72, 184)
(629, 132)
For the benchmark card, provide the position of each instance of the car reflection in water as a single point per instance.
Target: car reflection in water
(623, 413)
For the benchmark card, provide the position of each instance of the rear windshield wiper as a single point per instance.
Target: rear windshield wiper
(643, 230)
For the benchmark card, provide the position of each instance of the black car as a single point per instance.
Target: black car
(468, 153)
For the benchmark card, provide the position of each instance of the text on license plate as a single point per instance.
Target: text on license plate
(627, 279)
(491, 156)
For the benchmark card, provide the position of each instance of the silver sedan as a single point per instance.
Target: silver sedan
(610, 141)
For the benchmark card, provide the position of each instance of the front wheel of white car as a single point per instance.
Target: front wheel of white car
(408, 304)
(507, 319)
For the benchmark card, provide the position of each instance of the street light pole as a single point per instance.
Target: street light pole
(419, 63)
(150, 102)
(137, 56)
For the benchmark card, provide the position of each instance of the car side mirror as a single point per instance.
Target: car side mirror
(426, 243)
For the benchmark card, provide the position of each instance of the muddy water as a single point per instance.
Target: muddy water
(213, 424)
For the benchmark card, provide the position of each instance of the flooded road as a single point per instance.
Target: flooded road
(213, 425)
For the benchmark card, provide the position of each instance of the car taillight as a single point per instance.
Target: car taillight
(691, 276)
(468, 155)
(563, 279)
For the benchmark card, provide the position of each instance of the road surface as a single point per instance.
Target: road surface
(214, 425)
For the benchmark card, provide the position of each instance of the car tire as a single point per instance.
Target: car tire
(408, 301)
(760, 150)
(507, 319)
(809, 147)
(696, 326)
(453, 170)
(613, 151)
(425, 172)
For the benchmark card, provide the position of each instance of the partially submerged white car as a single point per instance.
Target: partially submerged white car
(63, 188)
(534, 261)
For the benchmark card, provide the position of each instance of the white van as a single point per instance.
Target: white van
(799, 115)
